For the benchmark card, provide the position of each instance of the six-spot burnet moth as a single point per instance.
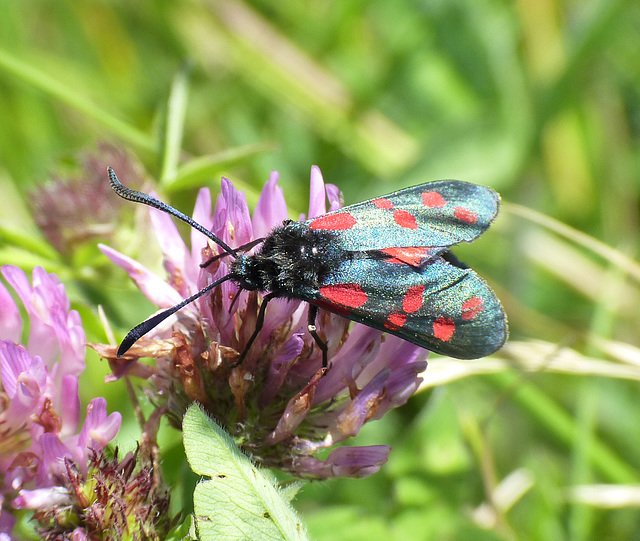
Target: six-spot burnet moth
(384, 263)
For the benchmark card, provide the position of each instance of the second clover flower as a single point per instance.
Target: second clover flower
(39, 402)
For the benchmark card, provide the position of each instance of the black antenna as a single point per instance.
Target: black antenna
(143, 328)
(139, 197)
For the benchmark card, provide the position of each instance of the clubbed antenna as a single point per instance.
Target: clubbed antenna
(139, 197)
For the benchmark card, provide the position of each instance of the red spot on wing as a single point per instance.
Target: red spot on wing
(351, 295)
(412, 301)
(334, 222)
(443, 328)
(465, 215)
(395, 321)
(413, 256)
(433, 200)
(472, 307)
(405, 219)
(382, 203)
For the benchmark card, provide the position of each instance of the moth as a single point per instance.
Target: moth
(385, 263)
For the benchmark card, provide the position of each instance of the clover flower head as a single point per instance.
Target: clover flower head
(39, 402)
(71, 211)
(120, 499)
(279, 404)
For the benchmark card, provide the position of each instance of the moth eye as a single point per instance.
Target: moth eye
(314, 250)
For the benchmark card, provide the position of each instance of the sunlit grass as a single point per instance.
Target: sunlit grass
(540, 441)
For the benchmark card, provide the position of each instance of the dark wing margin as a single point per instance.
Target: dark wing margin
(440, 307)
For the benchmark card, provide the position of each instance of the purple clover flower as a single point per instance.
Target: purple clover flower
(39, 402)
(74, 209)
(279, 404)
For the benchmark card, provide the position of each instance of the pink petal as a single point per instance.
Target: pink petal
(334, 328)
(52, 454)
(278, 313)
(54, 329)
(79, 534)
(18, 280)
(69, 405)
(10, 320)
(219, 315)
(27, 397)
(232, 224)
(231, 219)
(38, 301)
(202, 215)
(14, 360)
(271, 208)
(98, 429)
(294, 413)
(358, 462)
(25, 381)
(67, 328)
(333, 195)
(279, 368)
(72, 341)
(7, 522)
(402, 384)
(361, 408)
(360, 348)
(176, 255)
(42, 498)
(394, 353)
(108, 430)
(317, 201)
(152, 286)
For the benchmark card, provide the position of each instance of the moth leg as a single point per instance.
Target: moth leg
(212, 259)
(313, 331)
(259, 325)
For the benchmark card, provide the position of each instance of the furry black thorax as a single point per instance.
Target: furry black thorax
(292, 259)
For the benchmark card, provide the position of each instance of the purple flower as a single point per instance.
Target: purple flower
(40, 410)
(74, 210)
(111, 499)
(279, 404)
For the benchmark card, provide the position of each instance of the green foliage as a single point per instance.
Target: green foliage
(237, 501)
(539, 100)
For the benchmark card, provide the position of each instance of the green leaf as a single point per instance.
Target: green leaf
(171, 140)
(182, 531)
(198, 170)
(30, 241)
(238, 501)
(56, 88)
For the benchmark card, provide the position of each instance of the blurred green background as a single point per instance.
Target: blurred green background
(538, 99)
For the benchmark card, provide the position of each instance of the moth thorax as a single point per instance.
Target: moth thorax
(294, 258)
